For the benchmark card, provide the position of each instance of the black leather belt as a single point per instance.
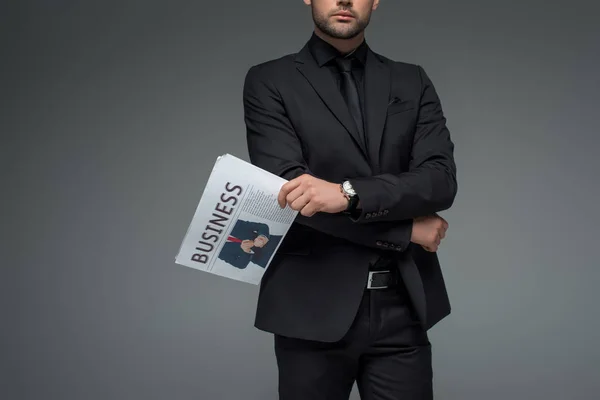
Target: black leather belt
(382, 279)
(383, 274)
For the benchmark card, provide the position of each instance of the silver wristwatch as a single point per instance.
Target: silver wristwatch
(350, 194)
(348, 189)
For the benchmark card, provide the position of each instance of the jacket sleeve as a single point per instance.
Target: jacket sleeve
(274, 146)
(430, 184)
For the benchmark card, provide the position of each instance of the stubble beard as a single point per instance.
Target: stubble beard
(343, 31)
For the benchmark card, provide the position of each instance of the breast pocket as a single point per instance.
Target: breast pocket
(399, 106)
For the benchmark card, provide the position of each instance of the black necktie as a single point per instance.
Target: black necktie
(350, 92)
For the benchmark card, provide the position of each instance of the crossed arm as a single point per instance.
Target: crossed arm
(429, 185)
(389, 202)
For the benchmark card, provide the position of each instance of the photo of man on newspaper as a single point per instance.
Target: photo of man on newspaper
(248, 242)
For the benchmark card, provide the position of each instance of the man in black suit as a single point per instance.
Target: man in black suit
(356, 283)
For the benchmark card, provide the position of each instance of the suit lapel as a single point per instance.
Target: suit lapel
(324, 84)
(377, 91)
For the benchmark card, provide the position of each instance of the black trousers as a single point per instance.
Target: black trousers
(386, 352)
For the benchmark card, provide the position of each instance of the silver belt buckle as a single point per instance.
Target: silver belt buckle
(370, 281)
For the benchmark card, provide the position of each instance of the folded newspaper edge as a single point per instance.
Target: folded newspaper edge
(238, 225)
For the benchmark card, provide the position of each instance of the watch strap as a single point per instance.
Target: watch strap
(352, 201)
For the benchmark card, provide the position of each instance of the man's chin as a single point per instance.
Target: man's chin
(342, 31)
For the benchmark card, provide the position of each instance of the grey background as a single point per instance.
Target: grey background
(112, 115)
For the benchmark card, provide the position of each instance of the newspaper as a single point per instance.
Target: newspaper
(238, 224)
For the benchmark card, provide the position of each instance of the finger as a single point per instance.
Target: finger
(294, 194)
(434, 239)
(309, 210)
(444, 231)
(299, 203)
(281, 198)
(285, 190)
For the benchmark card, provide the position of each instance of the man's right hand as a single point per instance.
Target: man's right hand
(429, 231)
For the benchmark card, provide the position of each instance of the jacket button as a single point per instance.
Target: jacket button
(385, 212)
(379, 243)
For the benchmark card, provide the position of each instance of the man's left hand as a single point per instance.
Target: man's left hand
(310, 195)
(247, 245)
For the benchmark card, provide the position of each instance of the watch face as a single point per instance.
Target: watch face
(348, 188)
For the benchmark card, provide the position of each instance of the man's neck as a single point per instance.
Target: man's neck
(344, 46)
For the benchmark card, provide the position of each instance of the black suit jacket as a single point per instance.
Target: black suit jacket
(298, 123)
